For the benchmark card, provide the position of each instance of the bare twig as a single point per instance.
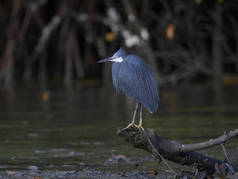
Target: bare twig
(225, 152)
(154, 150)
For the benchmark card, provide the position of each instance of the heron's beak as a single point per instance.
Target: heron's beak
(107, 59)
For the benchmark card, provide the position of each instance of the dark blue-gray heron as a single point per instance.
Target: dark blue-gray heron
(133, 76)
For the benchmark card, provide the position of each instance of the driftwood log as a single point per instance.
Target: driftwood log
(183, 154)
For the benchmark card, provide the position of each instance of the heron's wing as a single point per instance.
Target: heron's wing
(134, 77)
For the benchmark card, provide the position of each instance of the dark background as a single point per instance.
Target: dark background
(187, 41)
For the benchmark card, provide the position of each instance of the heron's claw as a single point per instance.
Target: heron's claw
(130, 125)
(135, 125)
(140, 127)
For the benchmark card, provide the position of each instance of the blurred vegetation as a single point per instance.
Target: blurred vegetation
(184, 41)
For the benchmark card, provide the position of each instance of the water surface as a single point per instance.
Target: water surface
(57, 127)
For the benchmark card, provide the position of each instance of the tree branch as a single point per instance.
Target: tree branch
(177, 152)
(210, 143)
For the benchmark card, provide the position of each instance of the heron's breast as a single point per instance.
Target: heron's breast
(116, 74)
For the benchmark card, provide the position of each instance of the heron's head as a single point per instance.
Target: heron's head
(118, 57)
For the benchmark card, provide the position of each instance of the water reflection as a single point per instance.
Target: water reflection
(53, 126)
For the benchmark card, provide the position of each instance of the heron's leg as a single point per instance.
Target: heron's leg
(134, 115)
(141, 115)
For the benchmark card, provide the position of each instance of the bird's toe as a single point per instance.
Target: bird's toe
(130, 125)
(140, 127)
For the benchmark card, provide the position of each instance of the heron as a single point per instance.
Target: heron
(134, 77)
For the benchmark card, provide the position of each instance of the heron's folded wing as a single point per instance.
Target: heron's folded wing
(135, 79)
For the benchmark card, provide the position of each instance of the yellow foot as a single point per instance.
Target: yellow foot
(135, 125)
(130, 125)
(141, 127)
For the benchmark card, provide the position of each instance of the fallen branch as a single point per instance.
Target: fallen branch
(207, 144)
(177, 152)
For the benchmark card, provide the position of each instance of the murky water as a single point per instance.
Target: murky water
(55, 127)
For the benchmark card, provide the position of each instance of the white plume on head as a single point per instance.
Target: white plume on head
(118, 60)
